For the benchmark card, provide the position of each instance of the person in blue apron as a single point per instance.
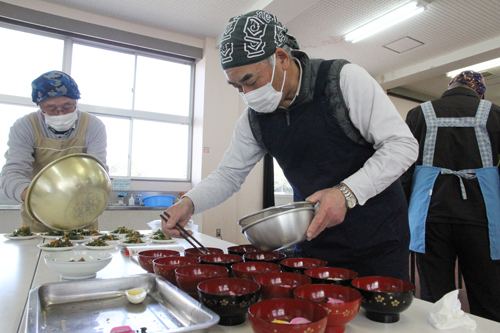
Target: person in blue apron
(454, 194)
(336, 135)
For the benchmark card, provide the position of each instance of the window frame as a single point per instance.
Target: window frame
(145, 183)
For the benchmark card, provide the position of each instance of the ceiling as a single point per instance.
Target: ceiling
(451, 34)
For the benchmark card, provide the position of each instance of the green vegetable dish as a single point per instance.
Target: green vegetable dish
(92, 232)
(60, 242)
(73, 235)
(121, 230)
(133, 240)
(22, 232)
(133, 233)
(97, 242)
(54, 232)
(159, 235)
(109, 237)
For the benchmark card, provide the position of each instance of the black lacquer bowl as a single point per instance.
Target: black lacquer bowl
(230, 298)
(384, 298)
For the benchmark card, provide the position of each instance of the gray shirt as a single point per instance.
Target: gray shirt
(16, 173)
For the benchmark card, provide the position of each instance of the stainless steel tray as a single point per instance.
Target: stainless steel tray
(99, 305)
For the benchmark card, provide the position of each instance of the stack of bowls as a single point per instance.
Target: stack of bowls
(278, 227)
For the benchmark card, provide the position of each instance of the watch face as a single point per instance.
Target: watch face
(351, 203)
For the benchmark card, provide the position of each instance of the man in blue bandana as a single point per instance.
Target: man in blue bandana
(454, 193)
(57, 129)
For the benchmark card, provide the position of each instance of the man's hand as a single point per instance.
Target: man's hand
(331, 212)
(23, 195)
(180, 212)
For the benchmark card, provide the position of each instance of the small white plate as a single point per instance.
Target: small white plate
(50, 237)
(117, 235)
(80, 240)
(20, 237)
(56, 249)
(111, 245)
(163, 241)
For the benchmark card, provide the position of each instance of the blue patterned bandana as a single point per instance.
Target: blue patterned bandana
(472, 79)
(251, 38)
(54, 83)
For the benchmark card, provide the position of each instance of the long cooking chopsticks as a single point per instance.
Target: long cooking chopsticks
(186, 235)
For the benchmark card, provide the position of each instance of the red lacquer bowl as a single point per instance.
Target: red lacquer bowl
(341, 302)
(274, 257)
(242, 249)
(331, 275)
(262, 314)
(165, 267)
(230, 298)
(146, 257)
(189, 276)
(280, 284)
(250, 269)
(192, 252)
(221, 259)
(300, 265)
(384, 298)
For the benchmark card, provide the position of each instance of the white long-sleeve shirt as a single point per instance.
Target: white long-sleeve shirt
(370, 111)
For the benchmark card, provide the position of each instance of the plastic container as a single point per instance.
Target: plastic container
(159, 201)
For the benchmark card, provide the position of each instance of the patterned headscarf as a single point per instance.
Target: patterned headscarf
(472, 79)
(252, 37)
(53, 83)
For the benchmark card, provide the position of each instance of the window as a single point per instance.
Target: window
(281, 184)
(144, 99)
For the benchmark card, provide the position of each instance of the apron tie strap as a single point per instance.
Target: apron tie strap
(467, 174)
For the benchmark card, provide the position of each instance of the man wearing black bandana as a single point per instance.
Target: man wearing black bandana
(336, 135)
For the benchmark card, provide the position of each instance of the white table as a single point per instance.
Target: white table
(23, 268)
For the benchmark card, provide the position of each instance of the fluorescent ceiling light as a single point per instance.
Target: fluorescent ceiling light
(402, 13)
(477, 67)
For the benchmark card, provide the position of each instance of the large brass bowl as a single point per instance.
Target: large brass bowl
(69, 193)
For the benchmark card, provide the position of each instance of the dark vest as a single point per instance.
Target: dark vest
(315, 154)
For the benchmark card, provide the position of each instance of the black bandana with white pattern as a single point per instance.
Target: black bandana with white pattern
(252, 37)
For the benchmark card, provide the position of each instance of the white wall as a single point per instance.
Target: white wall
(403, 105)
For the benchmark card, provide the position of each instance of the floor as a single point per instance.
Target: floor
(462, 294)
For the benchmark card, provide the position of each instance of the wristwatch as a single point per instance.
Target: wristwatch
(350, 199)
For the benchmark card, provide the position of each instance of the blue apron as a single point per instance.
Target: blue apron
(425, 175)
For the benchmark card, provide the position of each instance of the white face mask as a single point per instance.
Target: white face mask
(265, 99)
(63, 122)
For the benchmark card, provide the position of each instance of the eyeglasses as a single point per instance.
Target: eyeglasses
(52, 110)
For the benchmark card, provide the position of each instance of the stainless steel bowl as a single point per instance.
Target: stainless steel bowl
(278, 227)
(69, 193)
